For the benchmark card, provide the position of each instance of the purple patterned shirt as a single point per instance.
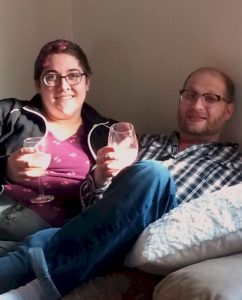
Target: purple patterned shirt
(69, 166)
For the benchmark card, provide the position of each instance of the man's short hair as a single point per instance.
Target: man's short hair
(229, 85)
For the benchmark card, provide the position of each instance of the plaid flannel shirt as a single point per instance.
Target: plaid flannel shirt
(199, 169)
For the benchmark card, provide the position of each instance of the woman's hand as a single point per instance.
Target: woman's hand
(26, 164)
(106, 166)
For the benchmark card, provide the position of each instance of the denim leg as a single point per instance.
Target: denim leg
(15, 268)
(107, 230)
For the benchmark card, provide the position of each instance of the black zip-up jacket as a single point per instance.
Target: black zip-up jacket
(21, 119)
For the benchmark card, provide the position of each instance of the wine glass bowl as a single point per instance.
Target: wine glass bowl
(41, 160)
(123, 139)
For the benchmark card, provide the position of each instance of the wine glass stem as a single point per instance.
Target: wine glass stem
(41, 187)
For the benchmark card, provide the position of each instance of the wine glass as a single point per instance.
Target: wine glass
(43, 158)
(123, 139)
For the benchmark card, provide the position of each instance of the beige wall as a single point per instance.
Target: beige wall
(140, 50)
(25, 25)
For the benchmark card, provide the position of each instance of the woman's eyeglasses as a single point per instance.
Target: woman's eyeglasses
(54, 79)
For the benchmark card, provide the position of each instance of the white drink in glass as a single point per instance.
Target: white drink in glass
(122, 138)
(41, 160)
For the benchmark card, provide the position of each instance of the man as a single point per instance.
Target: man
(198, 161)
(63, 258)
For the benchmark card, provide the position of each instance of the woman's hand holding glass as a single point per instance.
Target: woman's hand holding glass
(122, 151)
(28, 163)
(104, 171)
(22, 167)
(38, 161)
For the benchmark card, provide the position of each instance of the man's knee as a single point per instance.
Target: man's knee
(151, 168)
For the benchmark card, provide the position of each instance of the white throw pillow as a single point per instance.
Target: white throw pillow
(207, 227)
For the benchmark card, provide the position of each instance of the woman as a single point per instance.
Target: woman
(56, 260)
(74, 132)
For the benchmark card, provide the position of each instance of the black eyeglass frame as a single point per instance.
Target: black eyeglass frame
(219, 97)
(59, 77)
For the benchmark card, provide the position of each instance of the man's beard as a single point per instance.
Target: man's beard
(210, 128)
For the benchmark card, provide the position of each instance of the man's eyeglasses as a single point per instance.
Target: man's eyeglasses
(208, 99)
(54, 79)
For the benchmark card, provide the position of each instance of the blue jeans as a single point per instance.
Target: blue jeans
(96, 238)
(16, 223)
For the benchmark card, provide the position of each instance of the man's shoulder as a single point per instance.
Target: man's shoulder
(226, 154)
(157, 136)
(226, 147)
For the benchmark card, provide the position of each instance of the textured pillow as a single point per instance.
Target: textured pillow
(213, 279)
(208, 227)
